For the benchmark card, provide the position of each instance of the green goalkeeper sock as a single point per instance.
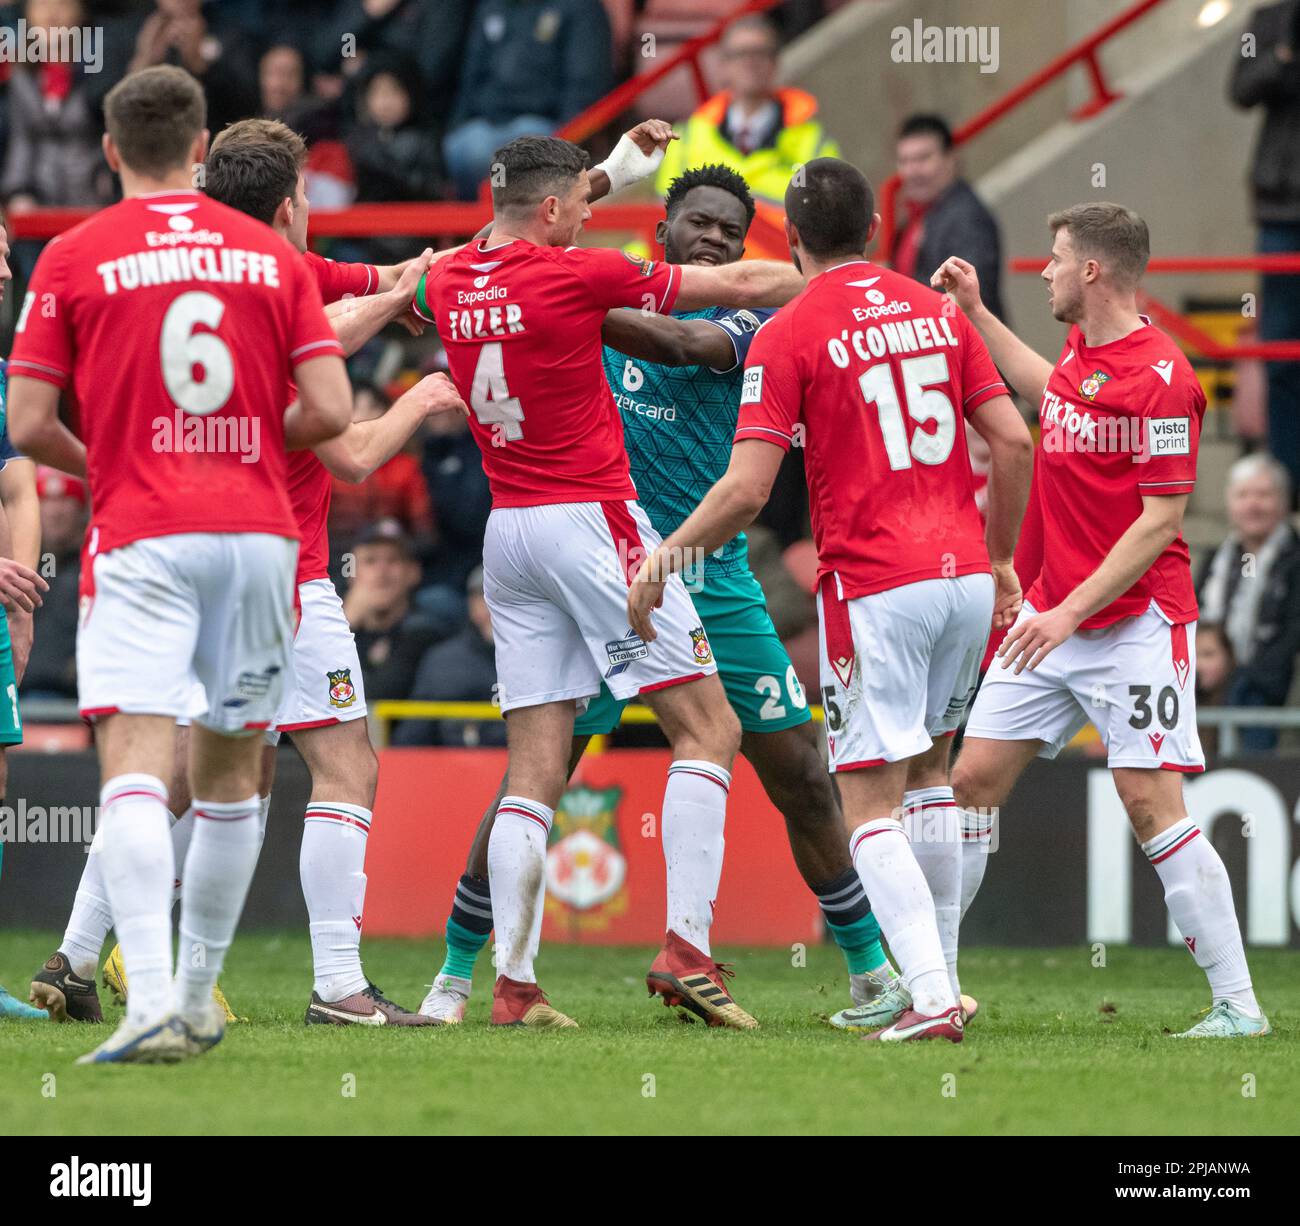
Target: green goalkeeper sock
(468, 926)
(859, 942)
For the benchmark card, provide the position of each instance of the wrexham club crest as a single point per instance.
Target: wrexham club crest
(342, 693)
(1089, 388)
(586, 872)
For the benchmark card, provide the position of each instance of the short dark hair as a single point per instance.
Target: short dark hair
(530, 168)
(154, 116)
(263, 129)
(712, 175)
(1111, 233)
(253, 176)
(830, 203)
(927, 125)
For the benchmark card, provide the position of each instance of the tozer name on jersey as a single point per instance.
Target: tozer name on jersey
(230, 266)
(484, 321)
(901, 336)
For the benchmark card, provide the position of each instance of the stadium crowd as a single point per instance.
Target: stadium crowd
(407, 100)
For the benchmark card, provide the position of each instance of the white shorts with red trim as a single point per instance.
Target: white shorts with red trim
(193, 624)
(899, 667)
(555, 580)
(1135, 681)
(324, 684)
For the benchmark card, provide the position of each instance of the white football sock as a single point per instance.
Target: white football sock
(136, 863)
(695, 811)
(182, 832)
(218, 871)
(90, 920)
(517, 880)
(1199, 897)
(933, 824)
(976, 838)
(332, 866)
(901, 900)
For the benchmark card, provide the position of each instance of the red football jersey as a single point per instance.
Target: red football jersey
(521, 326)
(875, 377)
(1119, 421)
(342, 280)
(178, 321)
(310, 482)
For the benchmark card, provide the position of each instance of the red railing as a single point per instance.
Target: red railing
(1182, 328)
(1084, 53)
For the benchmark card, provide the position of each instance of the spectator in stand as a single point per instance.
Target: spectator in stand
(461, 669)
(944, 215)
(282, 85)
(1214, 669)
(531, 65)
(1270, 77)
(458, 488)
(192, 35)
(395, 492)
(433, 31)
(1251, 586)
(54, 125)
(51, 667)
(392, 635)
(393, 156)
(759, 129)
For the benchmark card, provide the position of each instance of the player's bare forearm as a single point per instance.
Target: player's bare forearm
(367, 445)
(668, 341)
(1024, 369)
(749, 283)
(1145, 539)
(357, 320)
(35, 429)
(1011, 470)
(324, 405)
(22, 509)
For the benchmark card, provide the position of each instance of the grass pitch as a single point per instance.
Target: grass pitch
(1059, 1047)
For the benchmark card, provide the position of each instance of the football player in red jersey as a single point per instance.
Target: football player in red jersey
(1107, 633)
(255, 167)
(520, 315)
(178, 321)
(874, 378)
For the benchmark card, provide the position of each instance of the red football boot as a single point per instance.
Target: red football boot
(690, 980)
(525, 1004)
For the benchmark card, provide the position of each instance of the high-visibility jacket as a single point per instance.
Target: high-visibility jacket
(767, 170)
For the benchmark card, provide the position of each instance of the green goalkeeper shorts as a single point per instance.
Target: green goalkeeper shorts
(11, 720)
(756, 671)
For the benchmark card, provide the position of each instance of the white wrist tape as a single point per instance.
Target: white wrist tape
(627, 164)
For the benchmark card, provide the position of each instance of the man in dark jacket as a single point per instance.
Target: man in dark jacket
(944, 216)
(460, 669)
(530, 66)
(1269, 76)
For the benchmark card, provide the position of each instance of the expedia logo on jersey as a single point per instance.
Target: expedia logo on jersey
(1089, 388)
(646, 266)
(751, 389)
(622, 652)
(342, 692)
(700, 645)
(1169, 436)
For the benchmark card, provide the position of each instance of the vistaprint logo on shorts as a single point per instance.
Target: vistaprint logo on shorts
(131, 1181)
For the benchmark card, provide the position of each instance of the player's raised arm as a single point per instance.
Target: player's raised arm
(356, 320)
(366, 445)
(750, 283)
(1024, 369)
(637, 156)
(668, 341)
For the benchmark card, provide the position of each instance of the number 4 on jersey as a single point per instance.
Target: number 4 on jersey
(490, 398)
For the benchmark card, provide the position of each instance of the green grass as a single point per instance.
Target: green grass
(1043, 1057)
